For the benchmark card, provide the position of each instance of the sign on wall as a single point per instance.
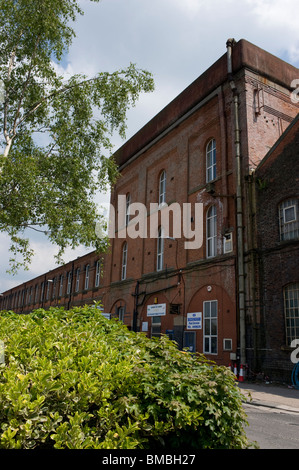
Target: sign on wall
(194, 321)
(156, 310)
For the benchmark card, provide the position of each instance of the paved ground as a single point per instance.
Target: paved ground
(271, 395)
(272, 414)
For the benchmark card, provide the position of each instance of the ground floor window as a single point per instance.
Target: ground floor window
(121, 313)
(156, 327)
(291, 311)
(210, 333)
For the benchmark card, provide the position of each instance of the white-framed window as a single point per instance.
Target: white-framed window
(48, 290)
(86, 283)
(162, 188)
(212, 232)
(69, 282)
(54, 288)
(124, 261)
(128, 202)
(160, 250)
(291, 311)
(36, 294)
(228, 242)
(289, 219)
(77, 285)
(210, 325)
(121, 313)
(98, 274)
(61, 285)
(30, 295)
(211, 160)
(42, 292)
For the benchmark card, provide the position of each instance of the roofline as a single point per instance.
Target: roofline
(278, 142)
(244, 55)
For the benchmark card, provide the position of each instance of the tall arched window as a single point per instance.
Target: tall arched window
(128, 202)
(291, 311)
(86, 284)
(160, 250)
(162, 187)
(211, 160)
(211, 232)
(98, 274)
(124, 261)
(77, 280)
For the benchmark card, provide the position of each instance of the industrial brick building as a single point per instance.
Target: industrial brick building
(201, 150)
(275, 218)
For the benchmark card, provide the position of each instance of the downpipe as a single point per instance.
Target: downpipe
(239, 206)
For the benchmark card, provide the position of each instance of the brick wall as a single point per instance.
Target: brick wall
(277, 179)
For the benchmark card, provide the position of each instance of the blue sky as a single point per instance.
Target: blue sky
(174, 39)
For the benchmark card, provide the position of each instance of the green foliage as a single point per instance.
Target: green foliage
(73, 379)
(57, 151)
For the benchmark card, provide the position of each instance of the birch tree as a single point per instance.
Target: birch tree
(56, 151)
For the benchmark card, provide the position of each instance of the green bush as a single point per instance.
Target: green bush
(73, 379)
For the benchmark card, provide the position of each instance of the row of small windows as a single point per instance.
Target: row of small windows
(42, 292)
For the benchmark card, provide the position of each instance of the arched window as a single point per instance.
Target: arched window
(128, 202)
(86, 284)
(77, 280)
(211, 232)
(289, 219)
(291, 311)
(54, 287)
(60, 285)
(124, 261)
(160, 250)
(98, 273)
(69, 282)
(211, 160)
(162, 187)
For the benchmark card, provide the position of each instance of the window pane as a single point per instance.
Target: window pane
(214, 327)
(214, 345)
(207, 327)
(289, 214)
(214, 308)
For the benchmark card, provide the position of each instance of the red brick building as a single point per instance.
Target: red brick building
(199, 150)
(275, 211)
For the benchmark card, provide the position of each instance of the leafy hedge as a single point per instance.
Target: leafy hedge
(73, 379)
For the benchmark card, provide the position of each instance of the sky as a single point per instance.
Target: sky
(176, 40)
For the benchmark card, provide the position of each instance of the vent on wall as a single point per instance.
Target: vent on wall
(175, 309)
(227, 344)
